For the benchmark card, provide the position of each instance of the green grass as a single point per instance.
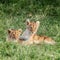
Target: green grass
(14, 51)
(13, 14)
(50, 26)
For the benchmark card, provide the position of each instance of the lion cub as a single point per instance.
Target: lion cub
(13, 35)
(36, 38)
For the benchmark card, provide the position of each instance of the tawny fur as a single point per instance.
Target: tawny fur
(33, 26)
(13, 34)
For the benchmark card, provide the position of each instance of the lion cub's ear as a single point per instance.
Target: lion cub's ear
(20, 30)
(9, 30)
(27, 22)
(38, 23)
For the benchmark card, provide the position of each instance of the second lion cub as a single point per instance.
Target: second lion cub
(36, 38)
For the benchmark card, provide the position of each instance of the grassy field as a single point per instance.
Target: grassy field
(13, 15)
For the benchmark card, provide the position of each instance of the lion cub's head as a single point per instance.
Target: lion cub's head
(32, 26)
(14, 34)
